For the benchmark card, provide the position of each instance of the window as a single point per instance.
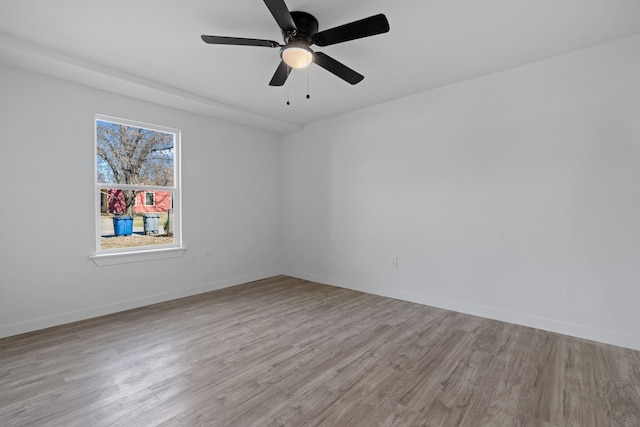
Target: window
(137, 187)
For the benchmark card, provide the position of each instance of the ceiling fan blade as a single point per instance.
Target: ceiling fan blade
(337, 68)
(376, 24)
(281, 14)
(281, 74)
(239, 41)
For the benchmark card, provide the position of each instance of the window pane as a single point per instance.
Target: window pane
(147, 226)
(134, 155)
(149, 199)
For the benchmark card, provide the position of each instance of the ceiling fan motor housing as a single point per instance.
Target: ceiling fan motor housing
(307, 26)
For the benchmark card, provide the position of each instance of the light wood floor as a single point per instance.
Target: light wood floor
(284, 351)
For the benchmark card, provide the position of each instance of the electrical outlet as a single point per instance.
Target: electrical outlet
(394, 261)
(193, 260)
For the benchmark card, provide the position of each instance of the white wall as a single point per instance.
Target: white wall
(514, 196)
(231, 193)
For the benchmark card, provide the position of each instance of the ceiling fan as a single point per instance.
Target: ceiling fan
(300, 30)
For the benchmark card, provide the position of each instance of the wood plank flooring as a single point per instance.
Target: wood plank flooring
(287, 352)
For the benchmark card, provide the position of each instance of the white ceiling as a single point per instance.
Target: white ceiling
(151, 49)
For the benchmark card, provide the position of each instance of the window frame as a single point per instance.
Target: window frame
(138, 253)
(153, 198)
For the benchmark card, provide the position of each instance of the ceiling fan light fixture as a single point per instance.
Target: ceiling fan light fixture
(297, 56)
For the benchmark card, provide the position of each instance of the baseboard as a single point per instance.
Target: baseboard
(74, 316)
(551, 325)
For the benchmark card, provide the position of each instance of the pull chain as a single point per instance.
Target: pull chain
(288, 103)
(287, 85)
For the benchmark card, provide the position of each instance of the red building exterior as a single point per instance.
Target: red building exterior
(146, 202)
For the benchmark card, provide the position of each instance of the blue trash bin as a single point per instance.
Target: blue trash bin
(122, 225)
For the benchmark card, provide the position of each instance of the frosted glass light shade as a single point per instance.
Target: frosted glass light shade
(297, 57)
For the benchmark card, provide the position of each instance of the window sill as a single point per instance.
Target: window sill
(138, 256)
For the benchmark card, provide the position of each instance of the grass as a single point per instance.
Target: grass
(134, 240)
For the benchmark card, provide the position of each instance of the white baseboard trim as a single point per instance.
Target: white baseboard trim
(574, 330)
(74, 316)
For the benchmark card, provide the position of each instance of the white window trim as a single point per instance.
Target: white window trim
(105, 259)
(141, 253)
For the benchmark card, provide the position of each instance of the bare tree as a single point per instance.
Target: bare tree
(132, 155)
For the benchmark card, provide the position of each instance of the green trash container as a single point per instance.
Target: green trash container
(150, 221)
